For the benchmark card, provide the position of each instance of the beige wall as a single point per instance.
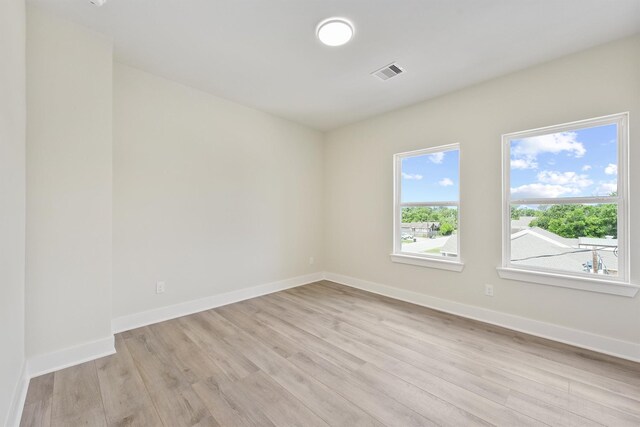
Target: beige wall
(358, 185)
(209, 196)
(12, 198)
(69, 97)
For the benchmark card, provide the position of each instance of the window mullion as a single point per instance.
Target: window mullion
(427, 204)
(565, 200)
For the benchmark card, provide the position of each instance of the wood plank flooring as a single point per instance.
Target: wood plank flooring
(325, 354)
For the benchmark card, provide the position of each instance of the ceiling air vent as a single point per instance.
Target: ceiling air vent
(391, 70)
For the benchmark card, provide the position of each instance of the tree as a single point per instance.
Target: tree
(573, 221)
(446, 229)
(516, 213)
(441, 215)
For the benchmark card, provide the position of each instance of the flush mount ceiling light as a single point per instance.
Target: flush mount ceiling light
(335, 31)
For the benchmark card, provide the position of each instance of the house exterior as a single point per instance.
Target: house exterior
(521, 223)
(422, 229)
(539, 248)
(536, 247)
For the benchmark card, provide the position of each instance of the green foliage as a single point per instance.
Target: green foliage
(516, 213)
(574, 221)
(571, 221)
(416, 214)
(428, 214)
(446, 229)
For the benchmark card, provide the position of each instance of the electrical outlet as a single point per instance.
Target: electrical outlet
(311, 260)
(488, 290)
(159, 287)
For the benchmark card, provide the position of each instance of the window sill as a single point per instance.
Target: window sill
(442, 264)
(573, 282)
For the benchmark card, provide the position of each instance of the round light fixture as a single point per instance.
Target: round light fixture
(335, 31)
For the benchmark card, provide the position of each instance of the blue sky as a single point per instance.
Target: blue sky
(565, 164)
(430, 177)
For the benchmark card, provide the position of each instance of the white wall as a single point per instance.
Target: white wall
(209, 196)
(12, 198)
(69, 112)
(358, 185)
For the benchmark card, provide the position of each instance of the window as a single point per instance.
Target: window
(427, 208)
(565, 205)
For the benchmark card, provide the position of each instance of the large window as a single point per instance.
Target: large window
(565, 202)
(427, 208)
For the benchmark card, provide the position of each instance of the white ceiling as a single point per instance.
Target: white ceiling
(264, 53)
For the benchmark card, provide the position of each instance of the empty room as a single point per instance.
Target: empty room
(319, 213)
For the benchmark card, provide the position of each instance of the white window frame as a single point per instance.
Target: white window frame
(424, 260)
(619, 285)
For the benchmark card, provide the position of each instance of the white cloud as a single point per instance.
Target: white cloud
(415, 176)
(445, 182)
(553, 143)
(523, 164)
(611, 169)
(586, 168)
(552, 184)
(606, 188)
(436, 157)
(570, 179)
(538, 190)
(525, 151)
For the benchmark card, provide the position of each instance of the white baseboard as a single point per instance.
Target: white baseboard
(19, 397)
(144, 318)
(587, 340)
(70, 356)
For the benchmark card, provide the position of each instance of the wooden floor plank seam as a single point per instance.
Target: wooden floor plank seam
(153, 403)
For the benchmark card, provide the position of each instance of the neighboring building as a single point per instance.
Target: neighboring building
(590, 242)
(422, 229)
(536, 247)
(521, 224)
(450, 247)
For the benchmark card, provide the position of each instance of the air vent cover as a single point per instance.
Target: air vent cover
(391, 70)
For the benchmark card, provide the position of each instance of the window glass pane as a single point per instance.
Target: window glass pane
(566, 237)
(430, 177)
(580, 163)
(430, 230)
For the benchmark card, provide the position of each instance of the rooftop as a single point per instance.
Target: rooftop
(536, 247)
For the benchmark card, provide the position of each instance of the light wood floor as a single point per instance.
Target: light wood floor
(325, 354)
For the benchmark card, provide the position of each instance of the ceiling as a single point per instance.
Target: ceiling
(264, 53)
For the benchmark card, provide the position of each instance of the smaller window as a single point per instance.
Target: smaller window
(427, 207)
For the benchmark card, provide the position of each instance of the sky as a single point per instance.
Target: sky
(566, 164)
(431, 177)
